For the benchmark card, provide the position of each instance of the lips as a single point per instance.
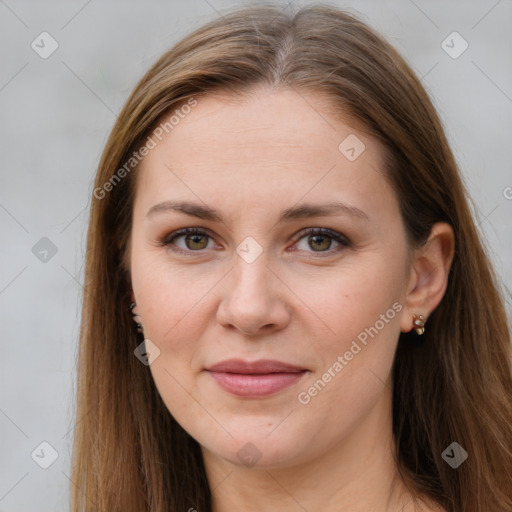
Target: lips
(254, 378)
(262, 366)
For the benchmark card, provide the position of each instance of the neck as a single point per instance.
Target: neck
(359, 474)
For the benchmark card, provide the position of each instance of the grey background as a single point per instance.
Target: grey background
(56, 114)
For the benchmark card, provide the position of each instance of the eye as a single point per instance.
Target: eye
(194, 239)
(320, 240)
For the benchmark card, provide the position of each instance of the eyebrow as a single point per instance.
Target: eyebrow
(299, 212)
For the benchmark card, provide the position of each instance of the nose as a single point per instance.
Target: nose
(255, 299)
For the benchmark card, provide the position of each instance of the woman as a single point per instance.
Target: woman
(287, 305)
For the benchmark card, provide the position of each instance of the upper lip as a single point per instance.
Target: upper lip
(262, 366)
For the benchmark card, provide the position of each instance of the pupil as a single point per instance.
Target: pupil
(321, 239)
(195, 239)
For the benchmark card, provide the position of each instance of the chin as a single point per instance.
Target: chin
(257, 448)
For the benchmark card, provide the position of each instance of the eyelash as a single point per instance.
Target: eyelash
(338, 237)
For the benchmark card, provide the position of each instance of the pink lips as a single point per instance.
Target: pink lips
(256, 378)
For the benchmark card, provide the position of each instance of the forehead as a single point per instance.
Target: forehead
(264, 121)
(261, 148)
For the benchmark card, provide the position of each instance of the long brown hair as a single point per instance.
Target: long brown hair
(456, 386)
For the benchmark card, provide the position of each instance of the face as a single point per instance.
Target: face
(295, 266)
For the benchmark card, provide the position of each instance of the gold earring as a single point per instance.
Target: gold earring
(419, 323)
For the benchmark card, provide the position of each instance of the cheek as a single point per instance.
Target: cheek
(356, 355)
(355, 367)
(358, 312)
(171, 297)
(346, 300)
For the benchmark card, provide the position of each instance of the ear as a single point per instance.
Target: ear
(428, 279)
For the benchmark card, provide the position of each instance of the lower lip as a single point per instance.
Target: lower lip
(255, 385)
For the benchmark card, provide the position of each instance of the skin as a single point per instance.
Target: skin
(250, 158)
